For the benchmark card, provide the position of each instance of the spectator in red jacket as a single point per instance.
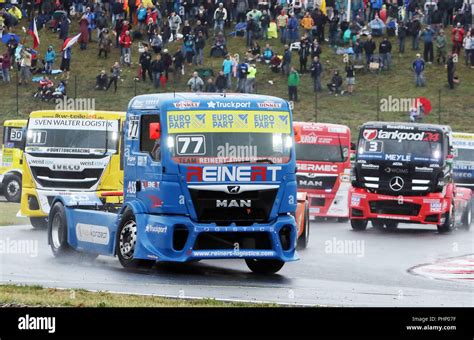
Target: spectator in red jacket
(125, 42)
(457, 37)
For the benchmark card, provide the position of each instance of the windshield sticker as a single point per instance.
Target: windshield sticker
(72, 123)
(231, 121)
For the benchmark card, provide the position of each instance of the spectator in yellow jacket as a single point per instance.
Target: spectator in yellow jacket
(307, 23)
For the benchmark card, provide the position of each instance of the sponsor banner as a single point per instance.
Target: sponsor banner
(317, 167)
(92, 233)
(372, 134)
(72, 124)
(232, 253)
(232, 174)
(70, 164)
(7, 158)
(220, 160)
(231, 121)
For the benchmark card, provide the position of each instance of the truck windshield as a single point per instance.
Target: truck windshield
(390, 145)
(72, 136)
(321, 153)
(203, 137)
(466, 155)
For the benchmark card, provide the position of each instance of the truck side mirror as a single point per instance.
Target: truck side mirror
(155, 131)
(297, 134)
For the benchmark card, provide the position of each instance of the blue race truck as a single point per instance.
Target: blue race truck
(206, 176)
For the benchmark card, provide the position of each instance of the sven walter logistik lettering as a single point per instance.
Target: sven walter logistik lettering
(28, 322)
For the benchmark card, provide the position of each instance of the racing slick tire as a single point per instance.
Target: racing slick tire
(264, 266)
(449, 222)
(12, 188)
(57, 231)
(303, 240)
(57, 235)
(377, 224)
(391, 225)
(467, 216)
(126, 241)
(39, 222)
(359, 225)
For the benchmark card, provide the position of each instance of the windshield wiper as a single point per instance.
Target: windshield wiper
(263, 160)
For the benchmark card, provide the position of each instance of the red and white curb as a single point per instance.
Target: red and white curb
(454, 269)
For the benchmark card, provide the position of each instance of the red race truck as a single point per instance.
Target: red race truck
(323, 161)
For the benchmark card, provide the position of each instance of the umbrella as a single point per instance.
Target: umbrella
(8, 36)
(58, 15)
(426, 103)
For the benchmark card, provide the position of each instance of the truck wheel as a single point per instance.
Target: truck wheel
(39, 222)
(57, 231)
(377, 224)
(264, 266)
(126, 241)
(448, 224)
(303, 240)
(12, 188)
(391, 225)
(467, 217)
(359, 225)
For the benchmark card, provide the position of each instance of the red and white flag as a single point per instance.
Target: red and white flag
(33, 31)
(71, 41)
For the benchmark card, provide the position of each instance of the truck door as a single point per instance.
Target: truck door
(149, 166)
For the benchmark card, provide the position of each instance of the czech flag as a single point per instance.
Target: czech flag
(33, 31)
(71, 41)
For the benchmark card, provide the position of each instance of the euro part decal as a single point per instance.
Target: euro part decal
(228, 121)
(232, 174)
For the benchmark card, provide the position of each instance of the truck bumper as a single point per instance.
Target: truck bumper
(178, 239)
(429, 209)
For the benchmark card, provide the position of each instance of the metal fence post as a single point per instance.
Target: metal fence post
(135, 86)
(316, 106)
(17, 100)
(75, 87)
(378, 102)
(439, 106)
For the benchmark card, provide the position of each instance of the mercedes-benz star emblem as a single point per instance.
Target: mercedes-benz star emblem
(396, 183)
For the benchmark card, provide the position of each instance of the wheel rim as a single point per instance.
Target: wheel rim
(13, 188)
(128, 237)
(55, 225)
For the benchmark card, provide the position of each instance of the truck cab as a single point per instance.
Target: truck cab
(12, 158)
(324, 164)
(463, 169)
(403, 173)
(205, 177)
(67, 153)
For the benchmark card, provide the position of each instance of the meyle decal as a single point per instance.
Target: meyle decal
(269, 105)
(233, 203)
(92, 233)
(232, 174)
(156, 228)
(394, 158)
(186, 104)
(317, 167)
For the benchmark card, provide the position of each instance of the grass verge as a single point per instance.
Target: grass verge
(8, 213)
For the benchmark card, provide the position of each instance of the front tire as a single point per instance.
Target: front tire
(303, 240)
(126, 242)
(359, 225)
(264, 266)
(12, 188)
(377, 224)
(448, 224)
(57, 231)
(39, 222)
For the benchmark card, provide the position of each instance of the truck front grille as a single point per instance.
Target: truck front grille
(394, 208)
(48, 178)
(317, 183)
(206, 205)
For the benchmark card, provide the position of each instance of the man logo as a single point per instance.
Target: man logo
(370, 134)
(233, 189)
(396, 183)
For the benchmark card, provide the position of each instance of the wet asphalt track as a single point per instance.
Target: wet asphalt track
(340, 268)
